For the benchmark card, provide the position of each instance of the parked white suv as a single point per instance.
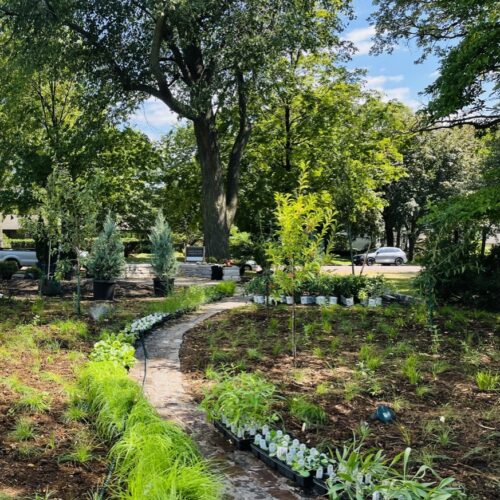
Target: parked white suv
(384, 255)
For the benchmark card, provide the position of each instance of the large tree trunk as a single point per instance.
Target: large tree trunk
(213, 196)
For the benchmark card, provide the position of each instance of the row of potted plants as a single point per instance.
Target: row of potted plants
(321, 289)
(350, 473)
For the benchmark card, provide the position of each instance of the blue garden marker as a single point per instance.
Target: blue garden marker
(384, 414)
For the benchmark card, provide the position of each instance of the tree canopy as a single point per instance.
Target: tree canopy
(465, 35)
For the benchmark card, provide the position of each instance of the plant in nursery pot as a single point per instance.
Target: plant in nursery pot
(106, 261)
(163, 259)
(241, 405)
(260, 287)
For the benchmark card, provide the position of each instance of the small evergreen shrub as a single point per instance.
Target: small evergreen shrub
(107, 258)
(163, 261)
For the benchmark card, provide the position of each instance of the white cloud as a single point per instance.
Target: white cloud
(154, 118)
(403, 94)
(376, 82)
(362, 39)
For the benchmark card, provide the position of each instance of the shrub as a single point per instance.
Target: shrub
(163, 259)
(107, 259)
(7, 270)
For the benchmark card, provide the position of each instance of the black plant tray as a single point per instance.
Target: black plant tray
(281, 467)
(239, 443)
(320, 487)
(262, 455)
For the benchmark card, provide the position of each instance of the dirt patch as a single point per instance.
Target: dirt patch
(443, 417)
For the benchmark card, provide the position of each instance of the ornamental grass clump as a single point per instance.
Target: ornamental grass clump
(244, 403)
(153, 458)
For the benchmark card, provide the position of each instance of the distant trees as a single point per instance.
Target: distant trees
(439, 165)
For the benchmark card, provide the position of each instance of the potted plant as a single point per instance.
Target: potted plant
(308, 288)
(346, 290)
(163, 259)
(257, 288)
(106, 261)
(322, 288)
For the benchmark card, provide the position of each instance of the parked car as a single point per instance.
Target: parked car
(22, 258)
(250, 265)
(384, 255)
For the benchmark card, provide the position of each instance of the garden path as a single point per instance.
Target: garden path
(246, 478)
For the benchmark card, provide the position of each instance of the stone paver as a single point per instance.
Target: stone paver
(246, 478)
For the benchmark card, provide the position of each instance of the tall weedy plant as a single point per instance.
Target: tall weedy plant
(303, 221)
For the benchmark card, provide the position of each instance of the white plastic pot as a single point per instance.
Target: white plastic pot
(347, 301)
(321, 300)
(289, 300)
(307, 300)
(372, 302)
(259, 299)
(333, 301)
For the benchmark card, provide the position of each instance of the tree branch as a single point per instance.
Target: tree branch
(165, 94)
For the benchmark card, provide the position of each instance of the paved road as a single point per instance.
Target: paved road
(375, 269)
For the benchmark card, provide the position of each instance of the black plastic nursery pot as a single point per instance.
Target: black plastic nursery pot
(50, 287)
(162, 288)
(104, 290)
(238, 443)
(263, 456)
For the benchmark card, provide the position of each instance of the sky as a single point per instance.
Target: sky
(396, 75)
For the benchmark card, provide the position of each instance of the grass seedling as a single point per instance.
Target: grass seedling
(307, 412)
(34, 401)
(369, 358)
(439, 367)
(23, 430)
(254, 354)
(410, 369)
(82, 450)
(422, 390)
(487, 381)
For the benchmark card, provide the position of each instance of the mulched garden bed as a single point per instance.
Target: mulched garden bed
(444, 418)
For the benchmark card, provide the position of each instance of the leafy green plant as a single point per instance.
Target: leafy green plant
(163, 260)
(114, 349)
(244, 400)
(307, 412)
(107, 260)
(487, 381)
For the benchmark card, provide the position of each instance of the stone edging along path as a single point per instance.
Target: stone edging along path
(245, 477)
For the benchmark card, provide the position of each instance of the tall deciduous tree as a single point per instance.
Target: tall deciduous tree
(465, 35)
(199, 57)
